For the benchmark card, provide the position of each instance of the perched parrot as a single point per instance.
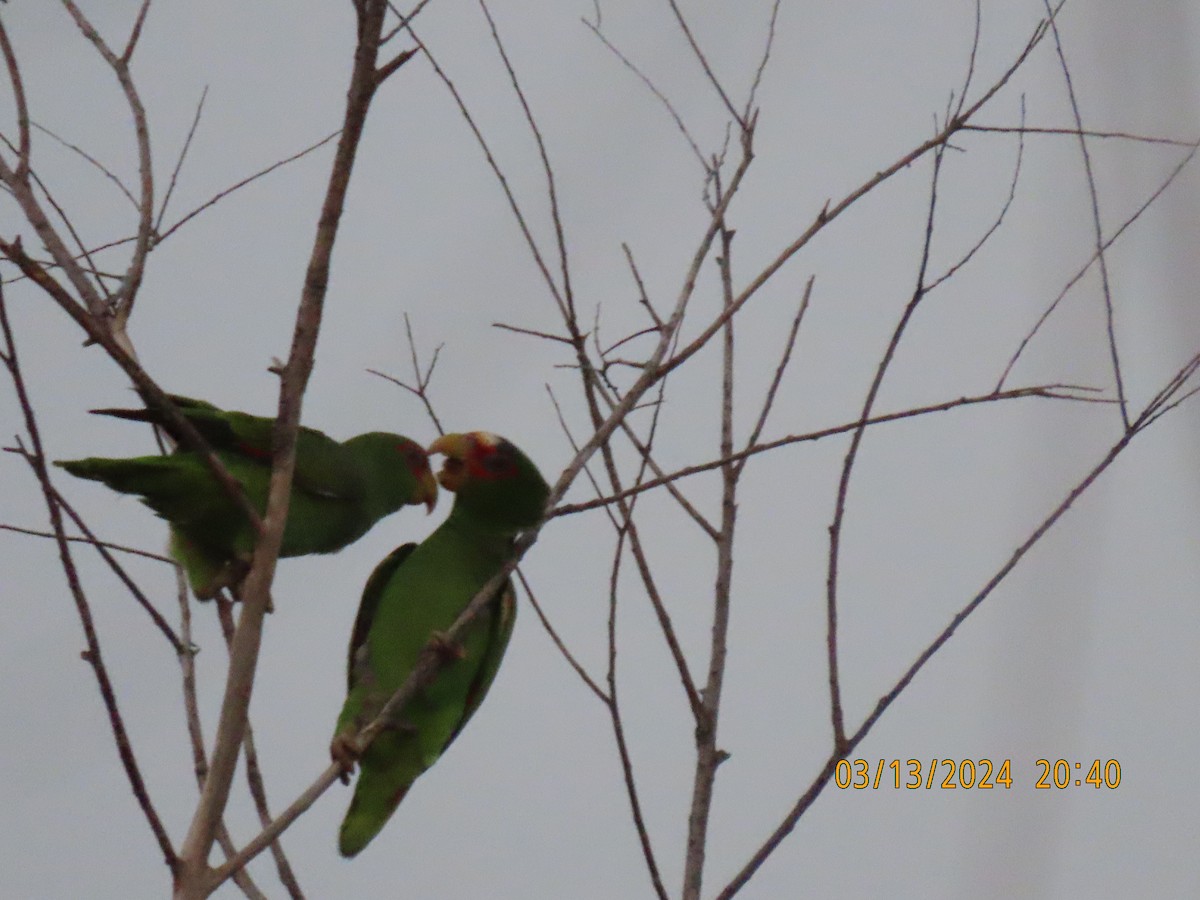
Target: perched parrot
(414, 595)
(339, 490)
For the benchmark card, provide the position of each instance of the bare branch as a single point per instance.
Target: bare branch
(384, 72)
(643, 297)
(1093, 194)
(835, 526)
(515, 207)
(996, 223)
(1077, 132)
(92, 656)
(20, 173)
(743, 123)
(653, 88)
(708, 756)
(532, 333)
(618, 727)
(1074, 279)
(558, 642)
(829, 213)
(1053, 391)
(77, 539)
(221, 195)
(136, 33)
(126, 295)
(183, 152)
(103, 549)
(762, 63)
(194, 880)
(421, 391)
(90, 159)
(769, 399)
(254, 778)
(966, 87)
(403, 20)
(826, 774)
(145, 385)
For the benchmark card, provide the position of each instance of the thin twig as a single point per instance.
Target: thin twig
(115, 179)
(221, 195)
(135, 32)
(830, 212)
(126, 295)
(78, 539)
(183, 152)
(618, 727)
(1074, 279)
(743, 123)
(1098, 228)
(36, 458)
(1054, 392)
(966, 86)
(1077, 132)
(558, 642)
(421, 391)
(103, 549)
(769, 400)
(653, 88)
(996, 223)
(545, 335)
(835, 526)
(762, 63)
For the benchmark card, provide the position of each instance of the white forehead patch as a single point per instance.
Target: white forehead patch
(487, 438)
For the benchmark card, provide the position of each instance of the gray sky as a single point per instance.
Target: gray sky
(1086, 652)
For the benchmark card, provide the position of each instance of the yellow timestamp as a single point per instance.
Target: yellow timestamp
(969, 774)
(915, 774)
(1065, 773)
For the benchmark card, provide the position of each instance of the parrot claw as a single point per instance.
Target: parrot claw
(344, 751)
(447, 650)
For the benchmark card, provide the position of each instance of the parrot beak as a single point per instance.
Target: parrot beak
(455, 447)
(427, 491)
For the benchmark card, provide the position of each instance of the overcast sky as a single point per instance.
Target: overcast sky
(1087, 651)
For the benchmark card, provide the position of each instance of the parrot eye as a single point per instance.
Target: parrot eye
(498, 464)
(414, 456)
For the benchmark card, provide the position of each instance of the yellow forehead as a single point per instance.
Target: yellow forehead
(487, 438)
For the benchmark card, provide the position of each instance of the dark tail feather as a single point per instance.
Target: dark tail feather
(135, 415)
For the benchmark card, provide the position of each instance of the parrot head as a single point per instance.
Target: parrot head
(411, 483)
(491, 479)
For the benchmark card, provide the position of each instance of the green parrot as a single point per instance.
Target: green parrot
(415, 594)
(339, 490)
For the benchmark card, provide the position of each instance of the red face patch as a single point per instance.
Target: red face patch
(490, 461)
(414, 456)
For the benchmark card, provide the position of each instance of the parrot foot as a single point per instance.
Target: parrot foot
(447, 650)
(236, 592)
(344, 751)
(228, 576)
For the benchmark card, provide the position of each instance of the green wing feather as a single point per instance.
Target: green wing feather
(372, 592)
(338, 492)
(323, 465)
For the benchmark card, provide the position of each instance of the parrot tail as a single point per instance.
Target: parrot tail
(368, 813)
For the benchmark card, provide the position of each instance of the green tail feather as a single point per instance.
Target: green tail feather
(368, 813)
